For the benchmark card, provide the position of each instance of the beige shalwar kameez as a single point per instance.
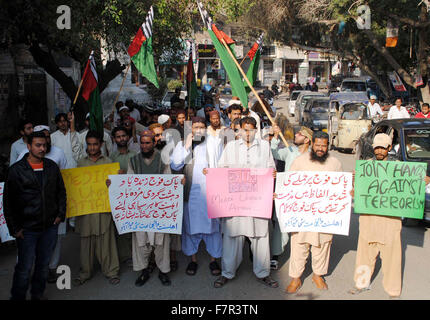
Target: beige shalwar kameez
(97, 233)
(318, 243)
(144, 242)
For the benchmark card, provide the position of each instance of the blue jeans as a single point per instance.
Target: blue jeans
(37, 248)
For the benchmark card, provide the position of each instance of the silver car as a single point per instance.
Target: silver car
(300, 103)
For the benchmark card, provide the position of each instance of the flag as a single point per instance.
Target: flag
(217, 36)
(91, 93)
(140, 50)
(254, 54)
(392, 35)
(191, 80)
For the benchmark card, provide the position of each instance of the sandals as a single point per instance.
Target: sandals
(268, 281)
(78, 281)
(358, 291)
(215, 269)
(114, 280)
(191, 268)
(221, 281)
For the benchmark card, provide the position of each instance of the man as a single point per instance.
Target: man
(314, 87)
(180, 117)
(97, 230)
(234, 110)
(214, 138)
(107, 145)
(246, 152)
(176, 97)
(20, 145)
(398, 111)
(57, 155)
(134, 111)
(380, 235)
(302, 142)
(165, 121)
(318, 159)
(122, 155)
(34, 205)
(308, 87)
(62, 138)
(374, 109)
(197, 225)
(424, 111)
(157, 129)
(149, 161)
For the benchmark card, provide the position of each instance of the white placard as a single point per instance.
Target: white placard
(4, 231)
(314, 201)
(152, 203)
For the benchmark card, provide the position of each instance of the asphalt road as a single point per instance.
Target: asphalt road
(416, 278)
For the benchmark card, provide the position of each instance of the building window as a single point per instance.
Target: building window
(268, 51)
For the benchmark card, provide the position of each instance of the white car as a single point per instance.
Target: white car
(292, 104)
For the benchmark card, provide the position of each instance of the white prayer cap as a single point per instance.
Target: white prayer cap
(87, 116)
(40, 128)
(232, 101)
(122, 108)
(373, 97)
(162, 119)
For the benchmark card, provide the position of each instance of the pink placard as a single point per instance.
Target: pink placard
(233, 192)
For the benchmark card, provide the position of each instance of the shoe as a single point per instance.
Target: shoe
(268, 281)
(52, 276)
(164, 278)
(141, 280)
(221, 281)
(39, 298)
(319, 282)
(294, 285)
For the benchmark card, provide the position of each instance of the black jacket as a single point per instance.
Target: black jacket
(27, 204)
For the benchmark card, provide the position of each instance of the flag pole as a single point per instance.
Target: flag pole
(253, 91)
(243, 60)
(122, 84)
(77, 94)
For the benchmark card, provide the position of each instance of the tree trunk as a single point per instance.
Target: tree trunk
(47, 62)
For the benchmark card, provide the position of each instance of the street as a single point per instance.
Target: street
(416, 280)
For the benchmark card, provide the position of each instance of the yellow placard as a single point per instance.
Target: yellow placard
(86, 189)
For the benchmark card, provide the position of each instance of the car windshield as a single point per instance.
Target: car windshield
(353, 86)
(306, 98)
(226, 91)
(294, 96)
(320, 110)
(418, 143)
(354, 111)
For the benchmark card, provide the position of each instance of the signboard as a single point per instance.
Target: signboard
(314, 201)
(390, 188)
(239, 192)
(206, 51)
(86, 189)
(4, 231)
(143, 202)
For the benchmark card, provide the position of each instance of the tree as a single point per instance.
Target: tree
(34, 23)
(314, 25)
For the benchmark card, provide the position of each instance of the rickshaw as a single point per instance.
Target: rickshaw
(348, 120)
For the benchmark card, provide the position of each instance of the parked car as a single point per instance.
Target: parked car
(315, 113)
(165, 102)
(303, 97)
(361, 84)
(293, 97)
(411, 142)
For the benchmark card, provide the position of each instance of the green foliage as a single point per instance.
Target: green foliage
(157, 93)
(173, 84)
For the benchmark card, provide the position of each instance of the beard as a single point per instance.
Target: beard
(160, 145)
(315, 157)
(148, 154)
(199, 139)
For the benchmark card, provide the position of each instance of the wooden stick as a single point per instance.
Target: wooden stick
(243, 60)
(253, 91)
(77, 94)
(122, 84)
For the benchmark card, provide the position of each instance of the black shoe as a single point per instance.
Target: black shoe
(52, 276)
(141, 280)
(39, 298)
(164, 278)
